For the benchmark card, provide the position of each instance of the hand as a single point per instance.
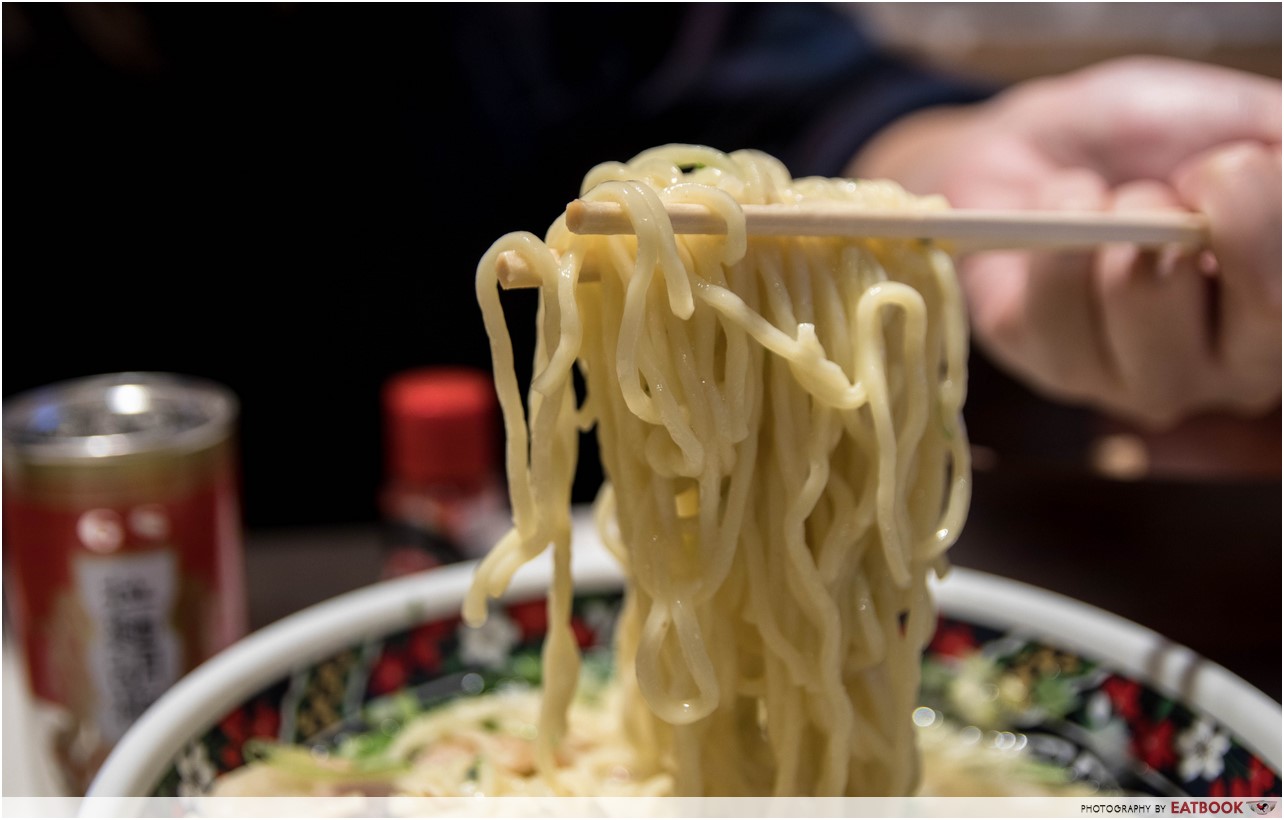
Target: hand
(1152, 336)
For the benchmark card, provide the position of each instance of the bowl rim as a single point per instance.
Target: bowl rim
(142, 756)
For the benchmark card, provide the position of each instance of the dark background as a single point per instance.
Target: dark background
(291, 200)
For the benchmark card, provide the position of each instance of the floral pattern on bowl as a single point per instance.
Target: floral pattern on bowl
(1103, 727)
(381, 684)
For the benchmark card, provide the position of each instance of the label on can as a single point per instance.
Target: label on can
(133, 651)
(123, 547)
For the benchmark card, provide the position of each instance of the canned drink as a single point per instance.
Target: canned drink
(123, 550)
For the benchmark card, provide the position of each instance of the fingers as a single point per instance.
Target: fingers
(1061, 300)
(1153, 310)
(1238, 187)
(1036, 313)
(1145, 334)
(1142, 117)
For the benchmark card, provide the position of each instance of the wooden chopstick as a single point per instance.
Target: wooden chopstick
(961, 230)
(997, 229)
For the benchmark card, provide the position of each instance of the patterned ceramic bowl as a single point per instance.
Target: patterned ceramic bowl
(1114, 703)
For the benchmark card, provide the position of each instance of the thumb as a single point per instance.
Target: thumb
(1237, 186)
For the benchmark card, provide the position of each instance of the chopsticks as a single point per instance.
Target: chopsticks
(961, 229)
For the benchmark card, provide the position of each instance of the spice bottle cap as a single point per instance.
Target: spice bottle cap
(439, 427)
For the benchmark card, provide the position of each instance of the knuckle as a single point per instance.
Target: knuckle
(1235, 160)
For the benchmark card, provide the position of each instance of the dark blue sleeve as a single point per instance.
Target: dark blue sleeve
(797, 80)
(802, 81)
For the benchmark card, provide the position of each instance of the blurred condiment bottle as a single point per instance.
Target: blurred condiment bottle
(443, 500)
(123, 548)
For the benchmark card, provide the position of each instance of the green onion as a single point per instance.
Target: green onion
(301, 762)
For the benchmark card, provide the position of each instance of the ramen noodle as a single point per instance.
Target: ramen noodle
(779, 423)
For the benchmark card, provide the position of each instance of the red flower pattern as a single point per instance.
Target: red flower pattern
(953, 640)
(1153, 743)
(1260, 778)
(230, 757)
(236, 726)
(1239, 786)
(583, 634)
(267, 721)
(425, 651)
(389, 674)
(1125, 696)
(531, 617)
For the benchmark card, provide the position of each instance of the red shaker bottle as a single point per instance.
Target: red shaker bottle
(442, 501)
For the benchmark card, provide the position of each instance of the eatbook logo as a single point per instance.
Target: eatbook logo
(1262, 807)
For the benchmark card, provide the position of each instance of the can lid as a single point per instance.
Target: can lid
(439, 426)
(117, 414)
